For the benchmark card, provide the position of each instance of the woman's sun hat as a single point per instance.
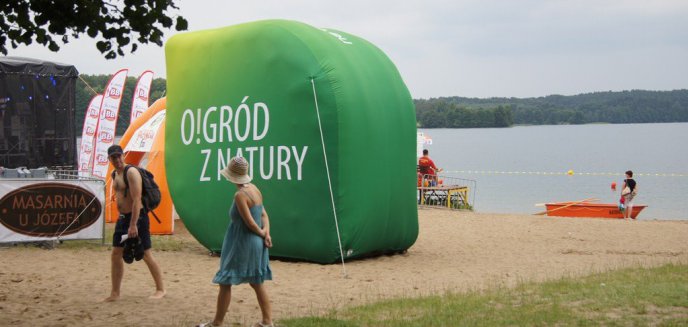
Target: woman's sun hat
(237, 171)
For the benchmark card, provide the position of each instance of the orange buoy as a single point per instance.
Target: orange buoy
(613, 186)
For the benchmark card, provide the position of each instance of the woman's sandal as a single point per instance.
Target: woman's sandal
(206, 324)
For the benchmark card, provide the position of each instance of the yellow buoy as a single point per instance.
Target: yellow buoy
(570, 172)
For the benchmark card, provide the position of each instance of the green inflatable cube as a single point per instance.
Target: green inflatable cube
(265, 91)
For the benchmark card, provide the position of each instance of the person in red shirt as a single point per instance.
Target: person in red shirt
(427, 167)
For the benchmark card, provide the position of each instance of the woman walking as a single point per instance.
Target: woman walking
(244, 257)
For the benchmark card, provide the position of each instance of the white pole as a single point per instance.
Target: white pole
(329, 182)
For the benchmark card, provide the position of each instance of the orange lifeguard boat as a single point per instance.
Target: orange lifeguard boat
(590, 210)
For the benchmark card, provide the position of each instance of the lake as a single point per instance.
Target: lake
(509, 164)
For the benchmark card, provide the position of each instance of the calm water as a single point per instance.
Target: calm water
(606, 150)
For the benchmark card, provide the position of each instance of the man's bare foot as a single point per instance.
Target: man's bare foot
(158, 295)
(111, 298)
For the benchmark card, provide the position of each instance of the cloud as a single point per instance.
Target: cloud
(468, 48)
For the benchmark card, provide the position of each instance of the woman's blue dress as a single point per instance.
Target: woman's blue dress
(244, 256)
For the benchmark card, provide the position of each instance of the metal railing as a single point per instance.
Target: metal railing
(446, 191)
(65, 174)
(43, 173)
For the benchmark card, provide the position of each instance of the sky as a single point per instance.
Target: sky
(487, 48)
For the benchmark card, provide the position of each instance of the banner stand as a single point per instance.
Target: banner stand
(62, 206)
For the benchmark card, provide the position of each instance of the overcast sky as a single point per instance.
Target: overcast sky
(484, 48)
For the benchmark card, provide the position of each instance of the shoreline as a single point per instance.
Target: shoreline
(456, 251)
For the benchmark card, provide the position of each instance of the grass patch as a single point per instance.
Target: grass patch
(628, 297)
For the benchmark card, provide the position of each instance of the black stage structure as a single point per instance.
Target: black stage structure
(37, 108)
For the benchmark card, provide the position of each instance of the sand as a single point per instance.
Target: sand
(455, 251)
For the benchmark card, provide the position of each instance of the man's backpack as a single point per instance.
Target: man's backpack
(150, 192)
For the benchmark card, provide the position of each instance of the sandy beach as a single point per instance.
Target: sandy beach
(455, 251)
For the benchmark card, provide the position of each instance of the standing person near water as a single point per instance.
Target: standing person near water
(244, 257)
(628, 192)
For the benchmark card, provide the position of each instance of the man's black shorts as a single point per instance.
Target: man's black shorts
(122, 228)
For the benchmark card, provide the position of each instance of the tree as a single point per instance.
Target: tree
(98, 83)
(432, 119)
(119, 23)
(502, 116)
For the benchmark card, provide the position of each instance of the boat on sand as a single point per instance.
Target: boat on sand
(590, 210)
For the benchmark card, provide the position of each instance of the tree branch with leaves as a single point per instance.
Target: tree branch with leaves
(118, 26)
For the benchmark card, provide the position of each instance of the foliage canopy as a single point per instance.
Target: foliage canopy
(116, 24)
(625, 107)
(98, 82)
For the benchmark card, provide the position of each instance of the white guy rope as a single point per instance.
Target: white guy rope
(95, 197)
(329, 182)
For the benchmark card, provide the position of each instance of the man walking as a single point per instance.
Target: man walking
(132, 222)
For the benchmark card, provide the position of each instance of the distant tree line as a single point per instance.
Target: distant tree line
(636, 106)
(437, 114)
(98, 82)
